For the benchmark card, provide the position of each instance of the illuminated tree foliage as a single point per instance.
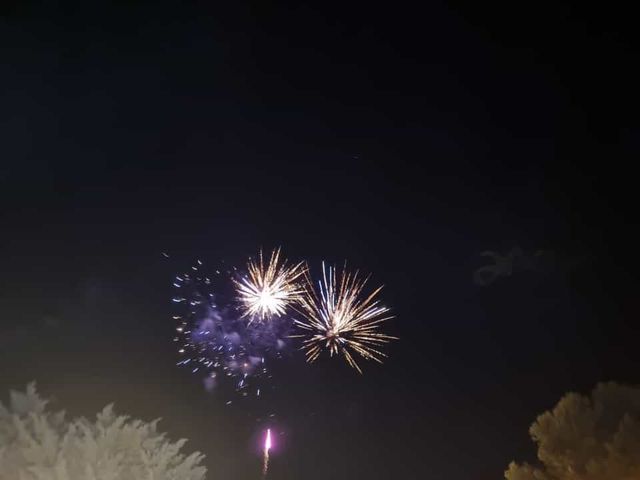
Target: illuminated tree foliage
(594, 437)
(36, 444)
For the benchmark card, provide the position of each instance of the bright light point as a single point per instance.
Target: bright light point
(267, 447)
(268, 302)
(267, 440)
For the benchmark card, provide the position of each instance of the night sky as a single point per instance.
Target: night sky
(406, 139)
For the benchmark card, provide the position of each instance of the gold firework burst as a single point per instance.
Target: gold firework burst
(340, 319)
(268, 289)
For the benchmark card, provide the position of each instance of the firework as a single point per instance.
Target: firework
(267, 290)
(267, 447)
(213, 341)
(340, 319)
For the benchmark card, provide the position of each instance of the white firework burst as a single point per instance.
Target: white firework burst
(269, 289)
(339, 318)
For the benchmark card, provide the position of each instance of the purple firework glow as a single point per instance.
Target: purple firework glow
(214, 340)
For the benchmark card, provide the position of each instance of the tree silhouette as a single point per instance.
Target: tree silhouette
(594, 437)
(36, 444)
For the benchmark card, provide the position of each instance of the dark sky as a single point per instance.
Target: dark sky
(406, 139)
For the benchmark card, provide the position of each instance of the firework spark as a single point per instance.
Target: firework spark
(212, 341)
(269, 289)
(341, 319)
(267, 447)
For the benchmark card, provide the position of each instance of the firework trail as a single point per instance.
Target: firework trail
(267, 447)
(267, 290)
(339, 318)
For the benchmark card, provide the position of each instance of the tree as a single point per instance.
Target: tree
(587, 438)
(36, 444)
